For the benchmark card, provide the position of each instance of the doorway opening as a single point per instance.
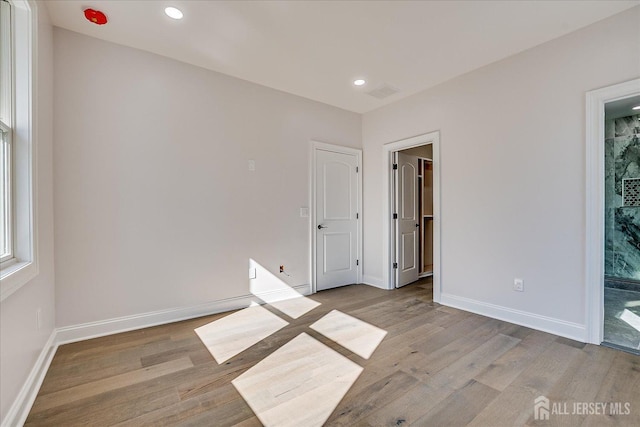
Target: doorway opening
(412, 220)
(622, 224)
(612, 257)
(413, 213)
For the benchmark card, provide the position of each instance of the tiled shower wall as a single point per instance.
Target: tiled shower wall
(622, 223)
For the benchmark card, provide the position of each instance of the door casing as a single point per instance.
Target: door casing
(388, 230)
(315, 146)
(594, 232)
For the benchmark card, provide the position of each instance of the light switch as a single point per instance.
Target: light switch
(304, 212)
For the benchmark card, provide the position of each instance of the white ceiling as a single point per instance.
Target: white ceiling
(315, 49)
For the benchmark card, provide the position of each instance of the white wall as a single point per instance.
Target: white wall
(513, 172)
(154, 205)
(20, 340)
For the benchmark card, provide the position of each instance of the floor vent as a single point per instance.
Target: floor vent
(383, 91)
(631, 192)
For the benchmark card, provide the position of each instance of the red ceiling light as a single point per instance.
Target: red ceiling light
(95, 16)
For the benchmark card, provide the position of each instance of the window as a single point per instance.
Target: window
(6, 158)
(6, 228)
(18, 136)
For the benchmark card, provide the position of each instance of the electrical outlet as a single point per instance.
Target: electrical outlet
(282, 269)
(518, 285)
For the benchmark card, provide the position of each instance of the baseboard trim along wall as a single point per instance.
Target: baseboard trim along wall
(281, 294)
(85, 331)
(376, 282)
(19, 411)
(24, 401)
(574, 331)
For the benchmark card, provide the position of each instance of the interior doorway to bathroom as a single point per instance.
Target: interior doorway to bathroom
(622, 224)
(611, 225)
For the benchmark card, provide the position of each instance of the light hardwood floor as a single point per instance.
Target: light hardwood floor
(435, 366)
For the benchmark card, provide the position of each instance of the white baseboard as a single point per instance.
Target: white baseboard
(376, 282)
(284, 293)
(574, 331)
(85, 331)
(18, 412)
(303, 289)
(101, 328)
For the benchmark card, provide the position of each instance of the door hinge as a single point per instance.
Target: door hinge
(395, 265)
(357, 216)
(357, 169)
(357, 262)
(395, 166)
(395, 216)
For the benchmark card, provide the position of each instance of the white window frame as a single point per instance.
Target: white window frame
(6, 109)
(7, 169)
(23, 267)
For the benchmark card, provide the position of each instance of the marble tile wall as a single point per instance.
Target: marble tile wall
(622, 223)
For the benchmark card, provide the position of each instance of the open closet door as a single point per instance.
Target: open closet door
(407, 222)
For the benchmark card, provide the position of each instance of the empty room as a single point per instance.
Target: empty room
(308, 213)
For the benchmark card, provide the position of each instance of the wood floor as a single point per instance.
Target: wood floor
(435, 366)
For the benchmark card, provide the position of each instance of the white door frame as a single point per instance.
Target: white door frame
(387, 218)
(594, 233)
(315, 146)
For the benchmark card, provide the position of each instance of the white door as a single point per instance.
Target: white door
(406, 208)
(336, 225)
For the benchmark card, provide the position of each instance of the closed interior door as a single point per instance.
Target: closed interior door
(336, 219)
(407, 223)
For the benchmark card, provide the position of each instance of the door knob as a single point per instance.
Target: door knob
(320, 227)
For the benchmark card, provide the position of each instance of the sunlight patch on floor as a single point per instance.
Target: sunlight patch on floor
(300, 384)
(233, 334)
(360, 337)
(295, 307)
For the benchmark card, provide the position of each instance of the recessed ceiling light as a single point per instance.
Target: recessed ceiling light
(359, 82)
(174, 13)
(637, 107)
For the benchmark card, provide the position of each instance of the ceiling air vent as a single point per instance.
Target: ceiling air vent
(383, 91)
